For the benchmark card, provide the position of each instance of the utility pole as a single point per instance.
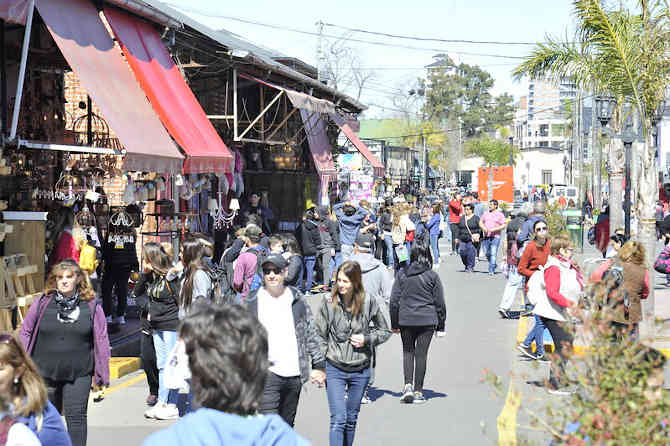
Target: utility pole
(319, 51)
(424, 181)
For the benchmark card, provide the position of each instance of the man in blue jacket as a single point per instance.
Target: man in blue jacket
(227, 390)
(350, 218)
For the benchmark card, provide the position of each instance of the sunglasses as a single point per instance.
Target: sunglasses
(543, 229)
(267, 271)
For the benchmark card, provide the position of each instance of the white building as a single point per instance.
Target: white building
(534, 166)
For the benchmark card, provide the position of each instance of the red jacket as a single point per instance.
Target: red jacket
(455, 210)
(603, 235)
(532, 258)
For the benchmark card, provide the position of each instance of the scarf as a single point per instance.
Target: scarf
(68, 307)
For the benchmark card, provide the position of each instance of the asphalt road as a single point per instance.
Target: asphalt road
(461, 409)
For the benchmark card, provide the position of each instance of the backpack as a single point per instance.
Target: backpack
(615, 274)
(257, 279)
(221, 276)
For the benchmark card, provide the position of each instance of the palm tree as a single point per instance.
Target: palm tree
(624, 53)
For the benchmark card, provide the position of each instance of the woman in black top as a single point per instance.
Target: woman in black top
(417, 310)
(65, 332)
(469, 233)
(162, 288)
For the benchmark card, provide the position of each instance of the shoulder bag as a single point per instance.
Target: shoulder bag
(475, 237)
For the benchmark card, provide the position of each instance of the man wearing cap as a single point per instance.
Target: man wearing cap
(292, 340)
(377, 282)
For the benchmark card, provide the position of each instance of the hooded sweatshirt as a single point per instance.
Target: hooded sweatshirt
(377, 280)
(349, 225)
(417, 298)
(209, 427)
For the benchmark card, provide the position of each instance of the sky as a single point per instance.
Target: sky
(396, 68)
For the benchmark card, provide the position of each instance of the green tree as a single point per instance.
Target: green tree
(464, 91)
(623, 52)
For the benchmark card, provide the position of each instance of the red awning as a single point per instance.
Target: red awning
(315, 127)
(169, 94)
(377, 166)
(90, 51)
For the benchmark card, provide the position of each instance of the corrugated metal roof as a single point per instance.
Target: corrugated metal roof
(259, 55)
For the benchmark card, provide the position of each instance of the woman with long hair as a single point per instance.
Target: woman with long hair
(293, 256)
(634, 279)
(22, 385)
(196, 274)
(349, 324)
(65, 332)
(417, 312)
(163, 292)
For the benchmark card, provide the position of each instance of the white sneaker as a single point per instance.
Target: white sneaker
(109, 319)
(166, 412)
(151, 412)
(121, 320)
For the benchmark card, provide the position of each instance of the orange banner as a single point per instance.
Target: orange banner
(503, 183)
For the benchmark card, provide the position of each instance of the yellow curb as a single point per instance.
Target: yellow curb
(506, 421)
(120, 366)
(129, 382)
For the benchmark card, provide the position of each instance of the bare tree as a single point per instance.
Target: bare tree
(342, 67)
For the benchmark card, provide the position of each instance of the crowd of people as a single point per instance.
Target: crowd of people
(254, 300)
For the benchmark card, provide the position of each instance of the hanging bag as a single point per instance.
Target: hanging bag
(475, 237)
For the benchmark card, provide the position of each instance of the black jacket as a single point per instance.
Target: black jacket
(294, 269)
(473, 225)
(162, 302)
(334, 230)
(386, 222)
(417, 298)
(309, 238)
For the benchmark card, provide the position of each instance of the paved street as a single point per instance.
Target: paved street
(460, 408)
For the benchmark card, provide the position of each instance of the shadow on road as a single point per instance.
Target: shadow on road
(375, 394)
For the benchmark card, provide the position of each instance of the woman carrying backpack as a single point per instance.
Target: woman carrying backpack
(163, 291)
(417, 311)
(348, 324)
(635, 286)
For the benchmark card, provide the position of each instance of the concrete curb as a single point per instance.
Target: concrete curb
(121, 366)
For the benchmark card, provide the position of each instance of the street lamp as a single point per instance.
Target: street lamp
(605, 109)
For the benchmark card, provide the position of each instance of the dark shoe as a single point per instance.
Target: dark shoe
(503, 313)
(152, 400)
(407, 394)
(542, 358)
(526, 312)
(366, 398)
(526, 351)
(419, 398)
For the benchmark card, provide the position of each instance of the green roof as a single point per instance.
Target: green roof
(390, 130)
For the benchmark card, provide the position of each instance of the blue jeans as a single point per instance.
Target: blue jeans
(490, 245)
(536, 334)
(308, 270)
(514, 282)
(335, 263)
(344, 412)
(164, 342)
(389, 250)
(434, 247)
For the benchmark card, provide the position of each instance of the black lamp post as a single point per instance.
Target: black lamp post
(627, 137)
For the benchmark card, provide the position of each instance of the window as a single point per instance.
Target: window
(543, 144)
(546, 177)
(556, 143)
(544, 129)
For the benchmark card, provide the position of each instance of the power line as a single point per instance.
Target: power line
(349, 39)
(463, 128)
(427, 39)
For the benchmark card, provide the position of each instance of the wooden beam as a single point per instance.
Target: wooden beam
(267, 107)
(279, 126)
(268, 142)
